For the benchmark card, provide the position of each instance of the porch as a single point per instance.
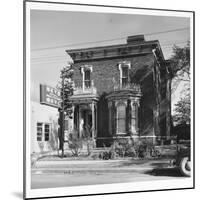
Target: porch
(84, 112)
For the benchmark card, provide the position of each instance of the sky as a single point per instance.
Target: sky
(52, 32)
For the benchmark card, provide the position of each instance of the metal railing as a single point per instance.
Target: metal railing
(129, 86)
(85, 89)
(117, 87)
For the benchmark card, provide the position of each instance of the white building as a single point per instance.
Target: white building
(44, 126)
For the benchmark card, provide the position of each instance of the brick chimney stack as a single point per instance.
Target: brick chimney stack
(135, 39)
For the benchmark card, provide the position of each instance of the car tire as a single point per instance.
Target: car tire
(184, 167)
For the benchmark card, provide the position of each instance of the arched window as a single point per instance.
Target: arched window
(121, 118)
(86, 71)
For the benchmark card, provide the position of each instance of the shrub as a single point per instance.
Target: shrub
(146, 150)
(124, 147)
(89, 144)
(131, 152)
(127, 148)
(75, 144)
(105, 155)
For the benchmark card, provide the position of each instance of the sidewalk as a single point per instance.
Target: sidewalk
(98, 166)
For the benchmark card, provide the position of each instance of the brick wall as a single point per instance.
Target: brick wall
(103, 74)
(105, 71)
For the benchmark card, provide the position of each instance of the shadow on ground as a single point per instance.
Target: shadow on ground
(131, 162)
(155, 163)
(172, 172)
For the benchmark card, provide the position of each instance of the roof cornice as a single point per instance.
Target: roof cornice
(114, 51)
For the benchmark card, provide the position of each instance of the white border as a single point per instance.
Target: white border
(86, 8)
(94, 189)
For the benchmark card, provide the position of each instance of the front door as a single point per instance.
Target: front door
(85, 123)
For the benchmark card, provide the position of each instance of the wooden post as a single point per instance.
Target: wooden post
(96, 120)
(168, 112)
(110, 117)
(73, 109)
(93, 124)
(156, 109)
(134, 118)
(114, 119)
(80, 123)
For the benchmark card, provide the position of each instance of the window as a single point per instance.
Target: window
(133, 115)
(39, 131)
(86, 71)
(46, 132)
(124, 75)
(87, 79)
(121, 118)
(43, 131)
(124, 72)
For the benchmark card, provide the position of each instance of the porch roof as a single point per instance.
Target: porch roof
(84, 98)
(123, 94)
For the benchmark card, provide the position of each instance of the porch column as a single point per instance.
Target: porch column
(95, 120)
(72, 125)
(134, 117)
(83, 73)
(110, 117)
(80, 122)
(168, 112)
(93, 123)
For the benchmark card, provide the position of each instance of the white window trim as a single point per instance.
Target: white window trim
(128, 63)
(83, 68)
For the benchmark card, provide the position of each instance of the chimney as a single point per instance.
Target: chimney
(135, 39)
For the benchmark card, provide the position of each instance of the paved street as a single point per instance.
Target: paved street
(77, 179)
(50, 174)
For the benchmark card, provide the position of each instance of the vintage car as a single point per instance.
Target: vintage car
(183, 160)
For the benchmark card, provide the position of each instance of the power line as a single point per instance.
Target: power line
(176, 42)
(172, 44)
(64, 58)
(168, 31)
(58, 58)
(109, 40)
(49, 62)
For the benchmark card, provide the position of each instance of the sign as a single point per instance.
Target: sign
(50, 96)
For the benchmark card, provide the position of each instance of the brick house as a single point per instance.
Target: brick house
(121, 91)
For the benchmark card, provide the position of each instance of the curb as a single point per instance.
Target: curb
(84, 171)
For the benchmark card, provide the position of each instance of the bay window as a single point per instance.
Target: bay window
(121, 118)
